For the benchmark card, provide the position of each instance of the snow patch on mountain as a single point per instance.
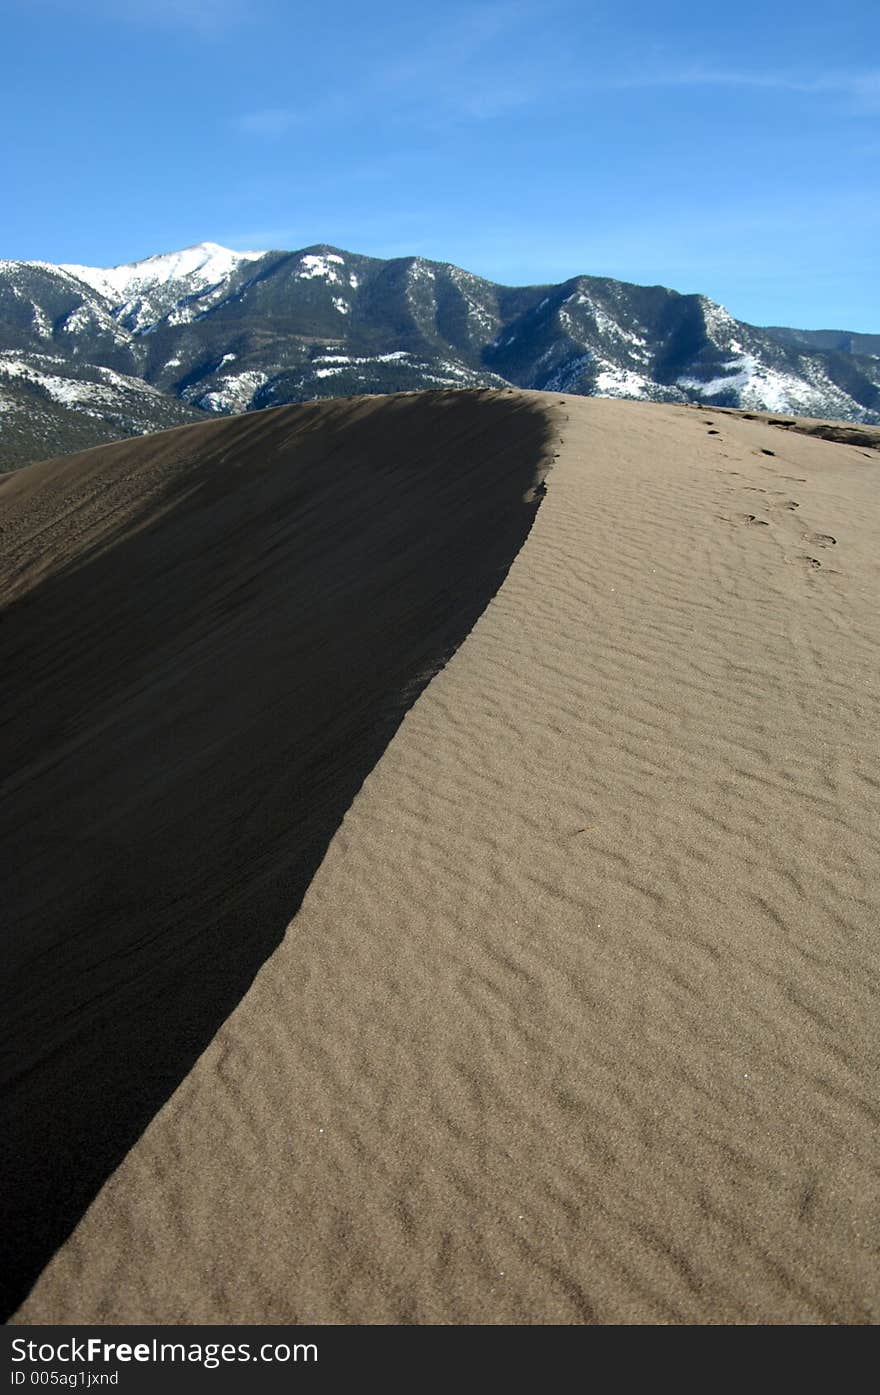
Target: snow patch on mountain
(334, 364)
(759, 386)
(41, 323)
(623, 382)
(312, 265)
(204, 264)
(79, 319)
(235, 393)
(571, 373)
(607, 326)
(141, 293)
(84, 393)
(720, 324)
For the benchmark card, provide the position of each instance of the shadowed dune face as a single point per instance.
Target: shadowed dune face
(578, 1018)
(209, 638)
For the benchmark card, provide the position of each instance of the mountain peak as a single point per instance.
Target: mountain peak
(207, 328)
(205, 263)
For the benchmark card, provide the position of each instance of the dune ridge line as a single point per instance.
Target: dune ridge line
(210, 637)
(577, 1021)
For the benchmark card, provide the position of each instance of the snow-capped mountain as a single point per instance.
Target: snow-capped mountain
(180, 285)
(209, 330)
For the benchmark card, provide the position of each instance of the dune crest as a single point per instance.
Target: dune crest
(209, 637)
(577, 1021)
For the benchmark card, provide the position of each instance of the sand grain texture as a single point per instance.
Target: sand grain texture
(577, 1021)
(209, 637)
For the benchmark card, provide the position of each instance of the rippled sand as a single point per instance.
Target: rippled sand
(578, 1018)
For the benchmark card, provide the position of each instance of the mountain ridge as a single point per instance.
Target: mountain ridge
(208, 331)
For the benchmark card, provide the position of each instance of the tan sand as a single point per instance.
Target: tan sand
(209, 639)
(578, 1019)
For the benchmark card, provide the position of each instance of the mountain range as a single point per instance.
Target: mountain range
(90, 354)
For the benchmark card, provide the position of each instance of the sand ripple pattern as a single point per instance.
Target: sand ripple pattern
(578, 1019)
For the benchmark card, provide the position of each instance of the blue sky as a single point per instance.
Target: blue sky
(730, 149)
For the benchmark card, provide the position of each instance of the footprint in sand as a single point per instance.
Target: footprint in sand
(778, 502)
(713, 433)
(820, 539)
(764, 451)
(749, 520)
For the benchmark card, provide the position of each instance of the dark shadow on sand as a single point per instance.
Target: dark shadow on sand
(191, 713)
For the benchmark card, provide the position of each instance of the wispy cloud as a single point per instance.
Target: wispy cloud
(476, 63)
(482, 66)
(271, 122)
(862, 87)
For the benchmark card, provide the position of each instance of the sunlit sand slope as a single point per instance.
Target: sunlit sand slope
(578, 1019)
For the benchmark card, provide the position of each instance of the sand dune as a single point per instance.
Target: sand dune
(577, 1020)
(213, 634)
